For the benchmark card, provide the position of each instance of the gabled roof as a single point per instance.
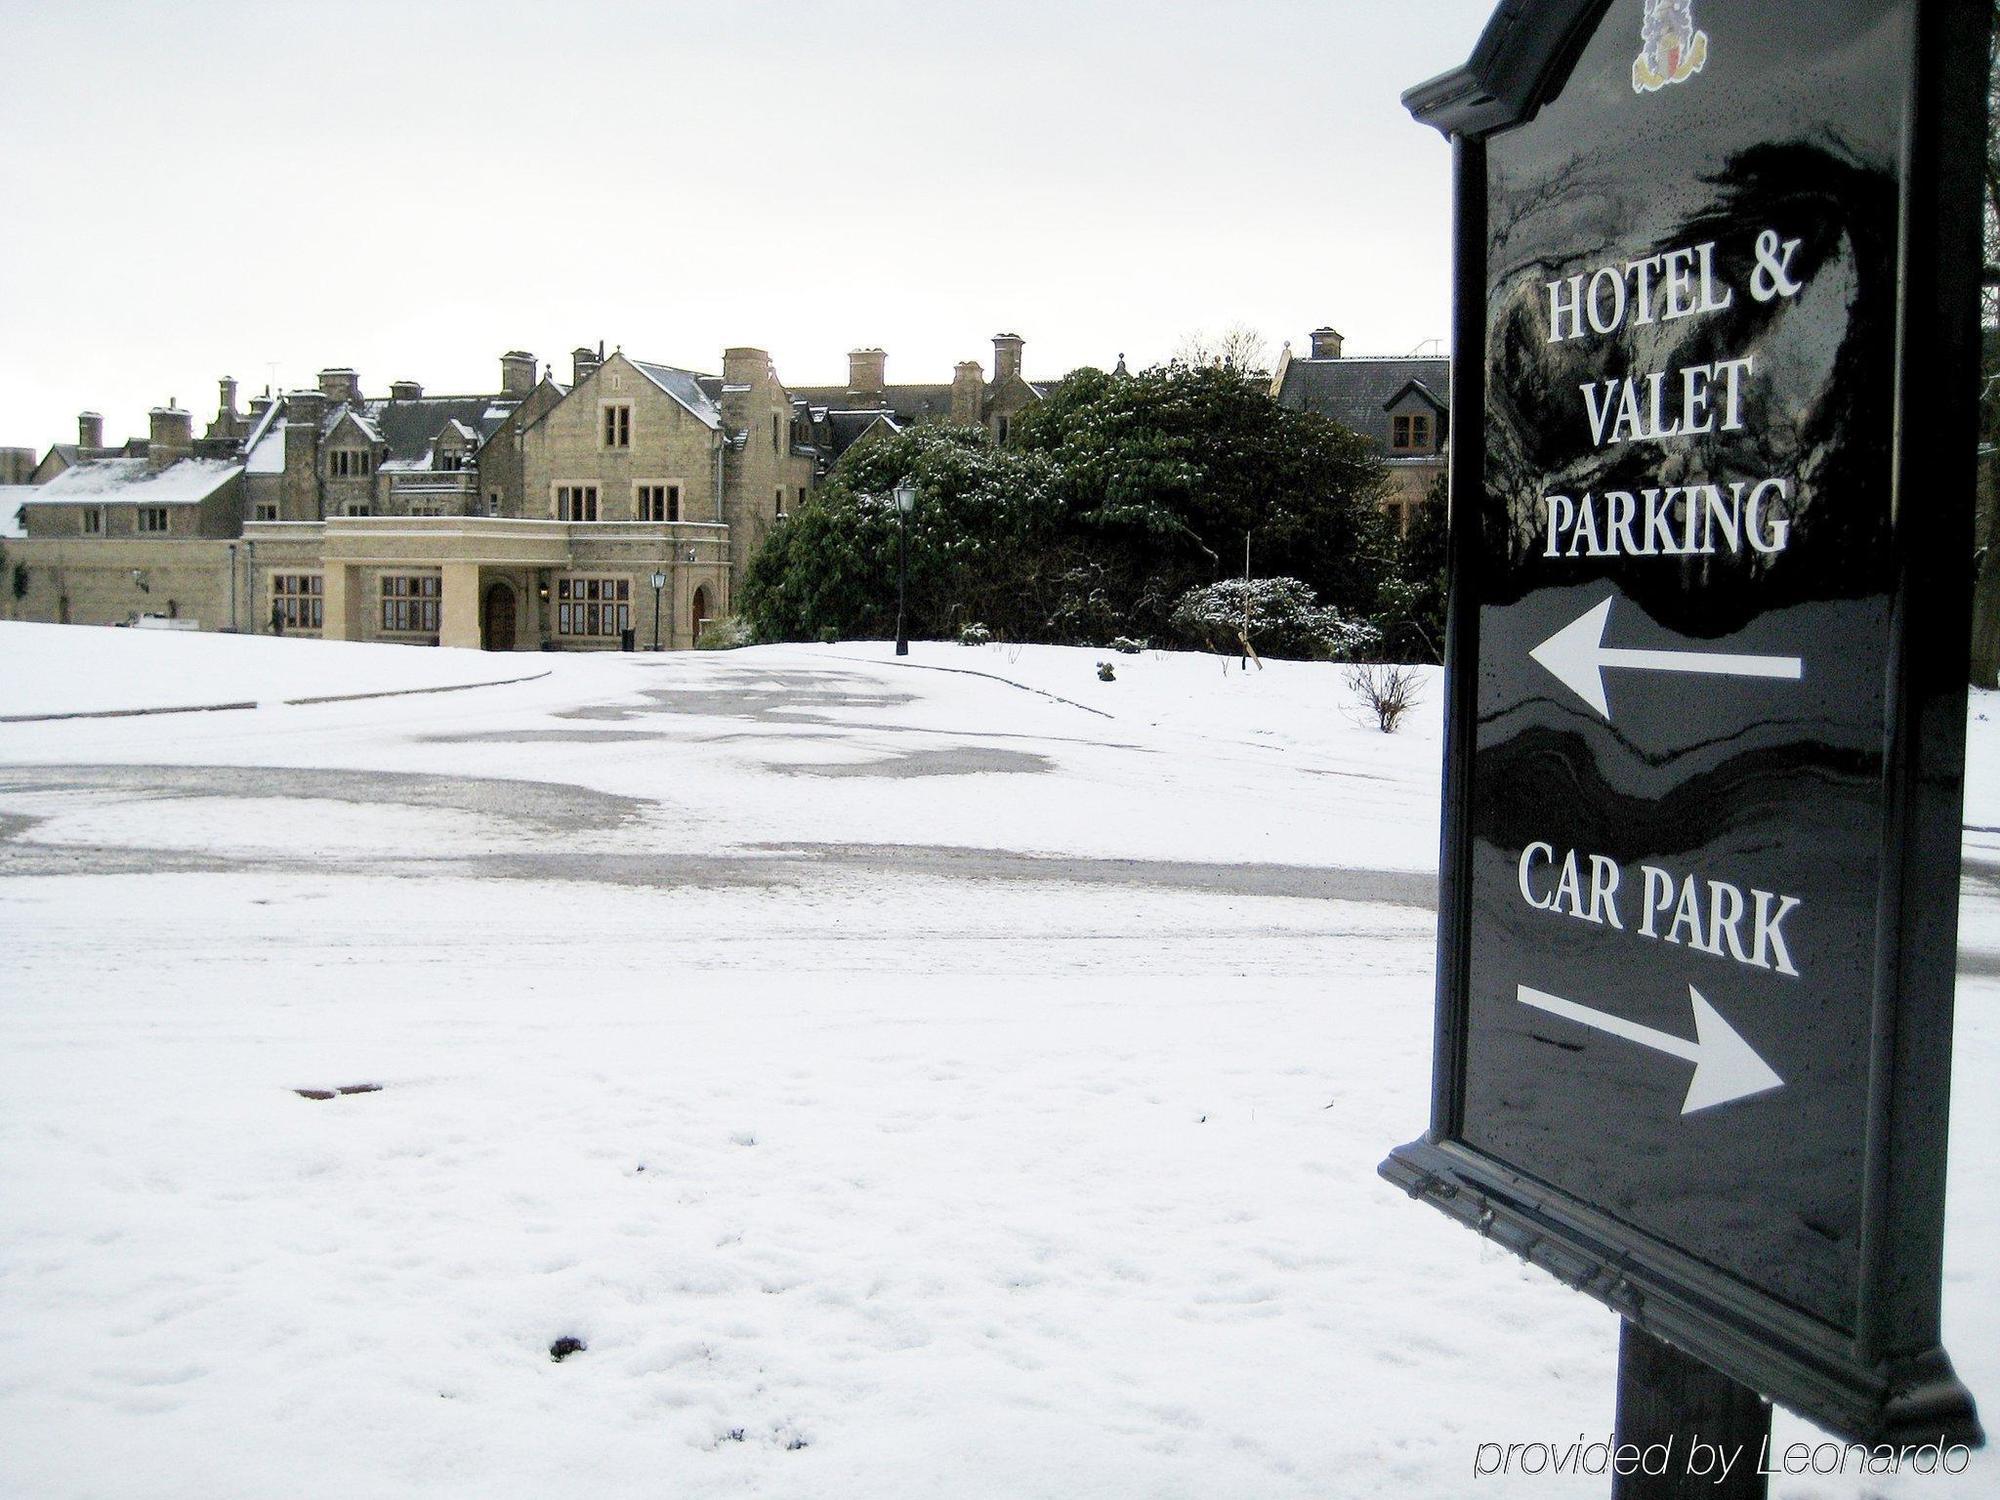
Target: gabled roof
(1357, 392)
(264, 449)
(347, 414)
(132, 481)
(689, 389)
(273, 417)
(67, 454)
(1418, 389)
(409, 427)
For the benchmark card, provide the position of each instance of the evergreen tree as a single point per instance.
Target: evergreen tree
(1162, 475)
(1116, 496)
(1413, 599)
(983, 519)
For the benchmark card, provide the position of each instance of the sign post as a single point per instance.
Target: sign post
(1716, 369)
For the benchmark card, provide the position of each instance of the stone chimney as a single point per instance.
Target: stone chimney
(305, 409)
(172, 435)
(405, 390)
(583, 363)
(340, 385)
(517, 372)
(258, 406)
(744, 368)
(746, 375)
(867, 377)
(1325, 344)
(226, 406)
(968, 393)
(89, 430)
(1006, 356)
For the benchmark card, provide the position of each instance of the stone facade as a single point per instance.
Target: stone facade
(533, 517)
(1400, 403)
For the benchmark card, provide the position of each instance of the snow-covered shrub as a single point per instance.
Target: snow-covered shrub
(1285, 619)
(723, 635)
(974, 634)
(1125, 645)
(1106, 672)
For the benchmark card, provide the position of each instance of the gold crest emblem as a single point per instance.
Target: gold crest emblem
(1672, 51)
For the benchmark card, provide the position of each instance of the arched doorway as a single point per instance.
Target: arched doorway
(697, 612)
(497, 625)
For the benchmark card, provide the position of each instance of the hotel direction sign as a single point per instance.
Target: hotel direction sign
(1716, 298)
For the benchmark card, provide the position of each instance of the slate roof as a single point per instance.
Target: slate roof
(1357, 392)
(264, 449)
(273, 417)
(131, 481)
(844, 428)
(330, 424)
(409, 426)
(700, 394)
(909, 403)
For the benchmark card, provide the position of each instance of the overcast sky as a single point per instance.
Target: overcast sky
(213, 188)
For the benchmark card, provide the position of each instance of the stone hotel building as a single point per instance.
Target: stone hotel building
(532, 517)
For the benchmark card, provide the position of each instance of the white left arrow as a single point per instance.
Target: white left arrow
(1576, 656)
(1726, 1068)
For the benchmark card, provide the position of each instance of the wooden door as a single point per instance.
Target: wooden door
(498, 631)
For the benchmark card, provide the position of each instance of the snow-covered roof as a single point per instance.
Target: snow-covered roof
(420, 463)
(273, 416)
(685, 386)
(131, 481)
(12, 498)
(410, 427)
(463, 431)
(364, 424)
(265, 449)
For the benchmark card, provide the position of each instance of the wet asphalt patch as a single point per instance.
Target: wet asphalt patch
(948, 760)
(767, 698)
(540, 807)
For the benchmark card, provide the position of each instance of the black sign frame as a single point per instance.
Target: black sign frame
(1892, 1380)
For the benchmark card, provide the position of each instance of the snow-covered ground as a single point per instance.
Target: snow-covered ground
(954, 1077)
(80, 669)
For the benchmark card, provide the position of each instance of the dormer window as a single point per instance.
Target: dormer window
(1410, 432)
(451, 460)
(347, 463)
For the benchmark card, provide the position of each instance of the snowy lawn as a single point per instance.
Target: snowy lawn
(902, 1081)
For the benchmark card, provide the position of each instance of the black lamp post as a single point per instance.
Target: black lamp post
(659, 583)
(906, 501)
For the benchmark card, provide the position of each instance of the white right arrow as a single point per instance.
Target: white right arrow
(1726, 1068)
(1576, 656)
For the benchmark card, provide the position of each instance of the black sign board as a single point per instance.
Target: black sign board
(1716, 296)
